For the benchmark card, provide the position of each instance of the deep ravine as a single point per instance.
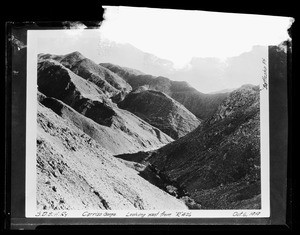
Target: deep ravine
(157, 177)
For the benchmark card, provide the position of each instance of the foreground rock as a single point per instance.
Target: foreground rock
(160, 111)
(74, 172)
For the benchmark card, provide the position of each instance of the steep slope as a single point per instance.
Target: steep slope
(200, 104)
(74, 172)
(113, 139)
(56, 81)
(161, 111)
(218, 163)
(110, 83)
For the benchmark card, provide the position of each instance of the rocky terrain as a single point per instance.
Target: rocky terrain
(106, 140)
(217, 164)
(80, 129)
(161, 111)
(75, 172)
(200, 104)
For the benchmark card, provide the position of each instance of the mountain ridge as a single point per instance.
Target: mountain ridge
(107, 81)
(200, 104)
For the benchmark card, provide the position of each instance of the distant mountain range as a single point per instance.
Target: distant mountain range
(205, 73)
(129, 56)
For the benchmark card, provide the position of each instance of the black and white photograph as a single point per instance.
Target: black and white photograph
(155, 113)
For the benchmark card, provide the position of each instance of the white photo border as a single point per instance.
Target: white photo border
(30, 175)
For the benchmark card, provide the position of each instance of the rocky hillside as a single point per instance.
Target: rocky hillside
(75, 172)
(218, 164)
(161, 111)
(200, 104)
(105, 121)
(105, 140)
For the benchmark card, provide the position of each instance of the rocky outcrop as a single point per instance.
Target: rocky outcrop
(200, 104)
(108, 123)
(74, 172)
(161, 111)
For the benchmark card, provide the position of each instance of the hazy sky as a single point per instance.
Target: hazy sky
(179, 35)
(175, 35)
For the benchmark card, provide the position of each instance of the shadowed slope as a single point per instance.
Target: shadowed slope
(218, 163)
